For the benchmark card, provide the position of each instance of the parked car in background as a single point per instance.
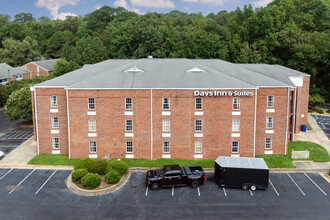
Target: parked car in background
(2, 155)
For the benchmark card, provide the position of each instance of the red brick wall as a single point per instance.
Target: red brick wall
(34, 69)
(302, 104)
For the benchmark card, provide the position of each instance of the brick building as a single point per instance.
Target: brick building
(8, 73)
(40, 68)
(170, 108)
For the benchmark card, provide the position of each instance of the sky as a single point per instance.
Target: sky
(59, 9)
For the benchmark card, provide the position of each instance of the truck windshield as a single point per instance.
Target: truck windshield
(161, 171)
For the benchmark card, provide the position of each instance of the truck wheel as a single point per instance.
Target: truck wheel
(194, 184)
(245, 186)
(155, 186)
(253, 187)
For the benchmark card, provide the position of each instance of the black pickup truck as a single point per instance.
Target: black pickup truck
(174, 175)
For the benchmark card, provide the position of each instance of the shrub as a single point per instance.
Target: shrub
(91, 180)
(316, 100)
(310, 110)
(320, 111)
(112, 177)
(328, 111)
(119, 166)
(83, 163)
(78, 174)
(98, 166)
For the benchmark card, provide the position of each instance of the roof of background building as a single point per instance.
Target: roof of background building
(12, 71)
(175, 74)
(46, 64)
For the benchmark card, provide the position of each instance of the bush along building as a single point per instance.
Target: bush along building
(170, 108)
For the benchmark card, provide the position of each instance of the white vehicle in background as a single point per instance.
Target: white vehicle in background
(2, 155)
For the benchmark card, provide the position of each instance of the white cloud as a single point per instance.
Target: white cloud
(153, 3)
(212, 2)
(54, 5)
(123, 3)
(261, 3)
(97, 7)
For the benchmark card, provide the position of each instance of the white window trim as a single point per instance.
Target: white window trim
(89, 125)
(239, 103)
(58, 122)
(200, 147)
(200, 125)
(93, 146)
(237, 147)
(267, 122)
(132, 147)
(54, 143)
(126, 103)
(196, 103)
(51, 102)
(94, 104)
(271, 143)
(232, 126)
(126, 125)
(169, 125)
(273, 101)
(169, 147)
(169, 103)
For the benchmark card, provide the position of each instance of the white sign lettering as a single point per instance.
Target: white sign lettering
(222, 93)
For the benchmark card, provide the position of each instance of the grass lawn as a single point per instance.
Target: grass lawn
(52, 159)
(309, 127)
(316, 152)
(278, 161)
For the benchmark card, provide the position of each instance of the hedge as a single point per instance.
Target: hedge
(91, 180)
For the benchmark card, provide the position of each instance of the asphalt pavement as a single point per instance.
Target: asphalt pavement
(324, 123)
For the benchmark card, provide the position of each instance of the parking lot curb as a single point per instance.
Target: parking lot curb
(82, 192)
(38, 167)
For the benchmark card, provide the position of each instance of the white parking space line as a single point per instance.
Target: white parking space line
(251, 192)
(199, 193)
(45, 182)
(273, 187)
(322, 125)
(21, 181)
(147, 191)
(224, 191)
(172, 190)
(315, 184)
(296, 184)
(6, 173)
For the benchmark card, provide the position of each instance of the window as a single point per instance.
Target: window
(269, 143)
(166, 125)
(129, 104)
(129, 125)
(56, 143)
(270, 101)
(166, 147)
(91, 103)
(235, 126)
(269, 122)
(129, 147)
(234, 147)
(92, 125)
(198, 147)
(92, 146)
(236, 103)
(198, 103)
(166, 103)
(53, 101)
(54, 122)
(198, 125)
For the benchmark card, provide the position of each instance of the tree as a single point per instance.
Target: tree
(24, 18)
(62, 66)
(90, 50)
(19, 105)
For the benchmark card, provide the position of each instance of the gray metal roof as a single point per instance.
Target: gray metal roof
(46, 64)
(174, 74)
(12, 71)
(242, 162)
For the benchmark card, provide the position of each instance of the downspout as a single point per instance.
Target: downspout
(68, 118)
(255, 122)
(286, 127)
(294, 113)
(151, 134)
(36, 115)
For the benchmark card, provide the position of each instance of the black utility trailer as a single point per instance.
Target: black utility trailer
(241, 172)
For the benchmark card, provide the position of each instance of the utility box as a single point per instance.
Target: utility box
(241, 172)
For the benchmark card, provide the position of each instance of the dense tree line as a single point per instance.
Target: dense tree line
(293, 33)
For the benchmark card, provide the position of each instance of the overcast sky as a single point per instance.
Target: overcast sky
(59, 9)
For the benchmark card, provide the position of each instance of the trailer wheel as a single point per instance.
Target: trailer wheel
(194, 184)
(155, 186)
(253, 187)
(245, 186)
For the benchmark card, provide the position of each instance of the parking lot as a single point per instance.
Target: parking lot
(324, 123)
(42, 194)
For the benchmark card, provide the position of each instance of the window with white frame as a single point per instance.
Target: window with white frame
(166, 103)
(235, 126)
(166, 147)
(128, 103)
(236, 103)
(269, 143)
(56, 143)
(198, 147)
(198, 125)
(53, 101)
(54, 122)
(129, 125)
(269, 122)
(91, 103)
(92, 125)
(92, 146)
(199, 103)
(234, 147)
(129, 147)
(270, 101)
(166, 125)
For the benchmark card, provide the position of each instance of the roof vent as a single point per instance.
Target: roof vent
(134, 70)
(195, 70)
(150, 57)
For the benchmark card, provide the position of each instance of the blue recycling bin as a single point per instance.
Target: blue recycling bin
(304, 128)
